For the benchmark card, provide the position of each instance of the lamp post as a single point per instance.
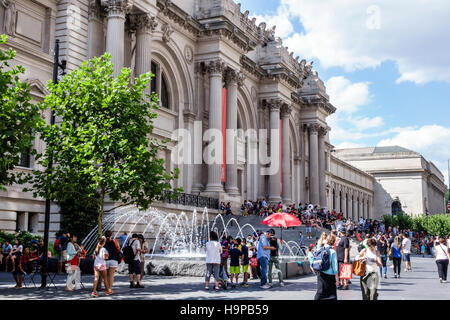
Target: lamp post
(56, 66)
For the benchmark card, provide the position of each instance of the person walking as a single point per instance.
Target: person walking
(275, 243)
(343, 255)
(73, 270)
(263, 255)
(134, 268)
(382, 247)
(406, 247)
(144, 250)
(101, 254)
(112, 262)
(397, 254)
(442, 259)
(326, 280)
(369, 282)
(213, 260)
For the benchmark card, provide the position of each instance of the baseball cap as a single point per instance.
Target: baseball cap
(341, 229)
(271, 231)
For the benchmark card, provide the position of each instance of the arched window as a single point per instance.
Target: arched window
(159, 85)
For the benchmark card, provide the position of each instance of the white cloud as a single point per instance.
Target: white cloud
(347, 96)
(432, 141)
(359, 34)
(281, 21)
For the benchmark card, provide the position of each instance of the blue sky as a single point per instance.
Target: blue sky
(386, 66)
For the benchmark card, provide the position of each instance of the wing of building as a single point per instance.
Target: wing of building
(214, 69)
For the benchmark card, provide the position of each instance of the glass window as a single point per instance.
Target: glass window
(164, 94)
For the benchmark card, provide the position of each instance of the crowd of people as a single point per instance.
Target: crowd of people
(379, 244)
(228, 260)
(255, 255)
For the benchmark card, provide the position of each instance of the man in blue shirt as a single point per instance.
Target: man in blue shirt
(300, 238)
(263, 255)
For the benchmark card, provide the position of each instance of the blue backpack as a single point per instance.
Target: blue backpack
(321, 259)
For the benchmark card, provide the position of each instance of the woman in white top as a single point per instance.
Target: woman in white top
(101, 254)
(442, 258)
(372, 257)
(213, 259)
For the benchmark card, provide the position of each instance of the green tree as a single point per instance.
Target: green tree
(101, 146)
(18, 117)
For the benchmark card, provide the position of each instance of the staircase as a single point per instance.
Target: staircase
(290, 234)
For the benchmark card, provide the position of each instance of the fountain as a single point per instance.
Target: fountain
(176, 239)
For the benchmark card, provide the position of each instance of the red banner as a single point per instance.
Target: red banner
(448, 206)
(346, 271)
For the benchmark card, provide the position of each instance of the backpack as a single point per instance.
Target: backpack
(128, 253)
(57, 245)
(322, 259)
(119, 252)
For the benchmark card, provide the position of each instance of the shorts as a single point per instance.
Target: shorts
(100, 267)
(406, 257)
(245, 268)
(111, 264)
(308, 230)
(61, 257)
(135, 267)
(235, 270)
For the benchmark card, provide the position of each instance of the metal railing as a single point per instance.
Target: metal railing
(190, 200)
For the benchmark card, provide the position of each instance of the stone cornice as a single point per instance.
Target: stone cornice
(176, 14)
(250, 67)
(282, 74)
(317, 102)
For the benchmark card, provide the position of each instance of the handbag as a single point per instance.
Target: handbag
(391, 255)
(359, 268)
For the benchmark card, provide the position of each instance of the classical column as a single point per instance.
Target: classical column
(197, 146)
(95, 30)
(115, 35)
(336, 199)
(297, 180)
(215, 69)
(286, 154)
(302, 186)
(274, 179)
(355, 208)
(144, 24)
(322, 159)
(344, 204)
(314, 190)
(231, 78)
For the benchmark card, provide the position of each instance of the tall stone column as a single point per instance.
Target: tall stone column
(215, 69)
(336, 200)
(144, 24)
(303, 195)
(314, 190)
(286, 155)
(115, 35)
(197, 143)
(355, 208)
(95, 30)
(232, 78)
(322, 160)
(344, 204)
(274, 179)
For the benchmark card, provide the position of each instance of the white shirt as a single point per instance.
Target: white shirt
(136, 245)
(440, 251)
(100, 258)
(213, 251)
(371, 263)
(407, 245)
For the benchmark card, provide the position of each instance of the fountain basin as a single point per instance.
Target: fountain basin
(195, 267)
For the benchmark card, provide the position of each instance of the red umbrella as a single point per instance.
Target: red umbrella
(282, 220)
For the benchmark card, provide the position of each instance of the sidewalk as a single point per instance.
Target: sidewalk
(421, 284)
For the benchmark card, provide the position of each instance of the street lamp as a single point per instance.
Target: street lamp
(56, 66)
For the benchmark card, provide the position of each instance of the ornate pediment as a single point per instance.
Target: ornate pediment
(38, 89)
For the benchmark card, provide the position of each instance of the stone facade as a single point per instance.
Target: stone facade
(196, 49)
(403, 179)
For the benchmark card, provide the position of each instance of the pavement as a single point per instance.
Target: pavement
(420, 284)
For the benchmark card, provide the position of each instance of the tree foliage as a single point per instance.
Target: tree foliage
(101, 144)
(18, 117)
(435, 225)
